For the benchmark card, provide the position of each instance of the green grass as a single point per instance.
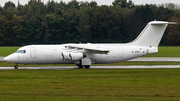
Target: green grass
(5, 51)
(90, 85)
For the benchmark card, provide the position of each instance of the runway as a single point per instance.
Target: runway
(1, 58)
(140, 59)
(97, 67)
(146, 59)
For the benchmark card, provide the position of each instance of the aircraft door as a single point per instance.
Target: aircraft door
(33, 52)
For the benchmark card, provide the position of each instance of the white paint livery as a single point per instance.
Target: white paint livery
(83, 55)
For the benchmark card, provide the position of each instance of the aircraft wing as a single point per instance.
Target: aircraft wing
(90, 49)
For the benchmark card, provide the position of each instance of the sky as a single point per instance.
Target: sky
(100, 2)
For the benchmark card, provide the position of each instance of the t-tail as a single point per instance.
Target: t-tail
(151, 34)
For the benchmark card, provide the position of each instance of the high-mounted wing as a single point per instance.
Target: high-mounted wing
(90, 49)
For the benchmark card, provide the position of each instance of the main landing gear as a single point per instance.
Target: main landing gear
(16, 67)
(85, 62)
(80, 66)
(86, 67)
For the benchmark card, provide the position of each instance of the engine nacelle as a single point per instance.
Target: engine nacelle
(65, 56)
(76, 56)
(72, 56)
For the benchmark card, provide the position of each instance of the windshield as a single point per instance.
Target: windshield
(20, 51)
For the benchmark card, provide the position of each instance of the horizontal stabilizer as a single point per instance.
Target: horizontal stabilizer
(173, 23)
(158, 23)
(161, 23)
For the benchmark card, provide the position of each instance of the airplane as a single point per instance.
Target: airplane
(83, 55)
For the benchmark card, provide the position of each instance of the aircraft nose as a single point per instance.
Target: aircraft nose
(6, 59)
(11, 58)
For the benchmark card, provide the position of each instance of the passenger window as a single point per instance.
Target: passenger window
(24, 51)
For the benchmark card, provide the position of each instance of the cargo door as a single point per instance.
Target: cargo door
(33, 52)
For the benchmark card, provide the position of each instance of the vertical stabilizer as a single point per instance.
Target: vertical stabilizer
(151, 34)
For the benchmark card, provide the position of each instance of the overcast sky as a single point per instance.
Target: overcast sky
(100, 2)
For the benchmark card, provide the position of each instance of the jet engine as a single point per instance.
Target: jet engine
(65, 56)
(72, 56)
(76, 56)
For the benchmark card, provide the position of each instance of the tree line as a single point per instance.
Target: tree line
(85, 22)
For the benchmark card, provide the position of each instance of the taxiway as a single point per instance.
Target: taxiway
(141, 59)
(147, 59)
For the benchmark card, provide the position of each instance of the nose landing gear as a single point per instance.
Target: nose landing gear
(16, 67)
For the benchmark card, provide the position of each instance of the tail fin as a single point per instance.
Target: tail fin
(151, 35)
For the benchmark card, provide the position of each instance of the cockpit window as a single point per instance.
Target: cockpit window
(20, 51)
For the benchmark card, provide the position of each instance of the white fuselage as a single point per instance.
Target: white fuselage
(52, 54)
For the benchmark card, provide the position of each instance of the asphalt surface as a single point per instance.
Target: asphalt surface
(141, 59)
(147, 59)
(1, 58)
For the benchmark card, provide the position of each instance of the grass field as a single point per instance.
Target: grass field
(5, 51)
(90, 85)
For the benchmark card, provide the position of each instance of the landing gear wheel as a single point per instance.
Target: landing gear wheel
(87, 67)
(80, 66)
(16, 67)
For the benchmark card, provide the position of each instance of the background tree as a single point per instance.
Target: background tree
(9, 4)
(173, 32)
(102, 24)
(93, 4)
(17, 29)
(84, 25)
(123, 3)
(32, 31)
(3, 29)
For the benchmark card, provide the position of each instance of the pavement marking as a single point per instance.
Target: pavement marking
(156, 59)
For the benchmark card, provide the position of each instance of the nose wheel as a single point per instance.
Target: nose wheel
(16, 67)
